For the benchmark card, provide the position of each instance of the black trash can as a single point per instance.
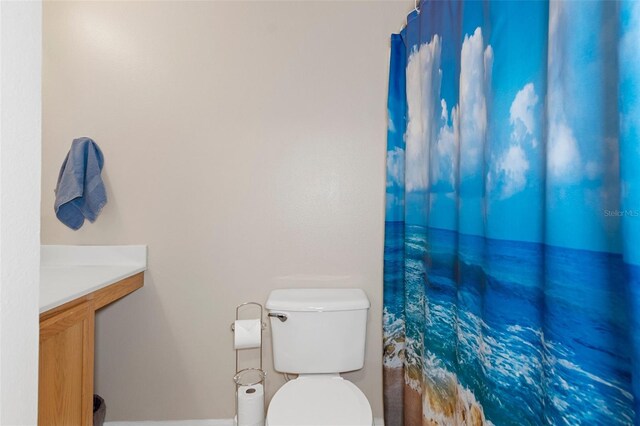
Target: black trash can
(99, 410)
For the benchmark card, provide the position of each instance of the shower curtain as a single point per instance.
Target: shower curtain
(512, 237)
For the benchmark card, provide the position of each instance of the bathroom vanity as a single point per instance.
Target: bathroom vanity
(75, 282)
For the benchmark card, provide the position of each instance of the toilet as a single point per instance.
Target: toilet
(318, 334)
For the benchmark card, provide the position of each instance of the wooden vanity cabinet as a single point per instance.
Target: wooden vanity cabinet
(66, 367)
(65, 390)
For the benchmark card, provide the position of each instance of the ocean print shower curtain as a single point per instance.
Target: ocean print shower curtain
(512, 244)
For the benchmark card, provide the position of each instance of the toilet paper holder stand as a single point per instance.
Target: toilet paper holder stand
(250, 376)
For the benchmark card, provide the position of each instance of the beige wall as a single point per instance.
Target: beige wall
(244, 143)
(20, 141)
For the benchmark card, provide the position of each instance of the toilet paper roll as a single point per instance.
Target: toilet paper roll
(247, 334)
(250, 405)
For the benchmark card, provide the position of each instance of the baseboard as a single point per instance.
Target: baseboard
(208, 422)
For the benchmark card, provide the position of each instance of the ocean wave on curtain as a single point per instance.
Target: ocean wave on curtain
(512, 245)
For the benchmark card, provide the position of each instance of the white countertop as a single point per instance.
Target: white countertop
(69, 272)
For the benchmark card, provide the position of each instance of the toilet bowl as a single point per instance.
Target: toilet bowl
(317, 334)
(319, 401)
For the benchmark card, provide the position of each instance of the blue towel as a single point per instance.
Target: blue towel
(80, 191)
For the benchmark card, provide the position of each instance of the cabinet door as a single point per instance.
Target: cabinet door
(66, 367)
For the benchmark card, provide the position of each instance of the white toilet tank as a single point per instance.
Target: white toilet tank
(316, 331)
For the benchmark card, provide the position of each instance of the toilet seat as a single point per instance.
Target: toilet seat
(319, 401)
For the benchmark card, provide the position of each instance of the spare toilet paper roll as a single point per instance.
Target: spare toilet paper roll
(250, 405)
(247, 334)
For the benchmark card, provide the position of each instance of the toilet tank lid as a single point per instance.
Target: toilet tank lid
(317, 299)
